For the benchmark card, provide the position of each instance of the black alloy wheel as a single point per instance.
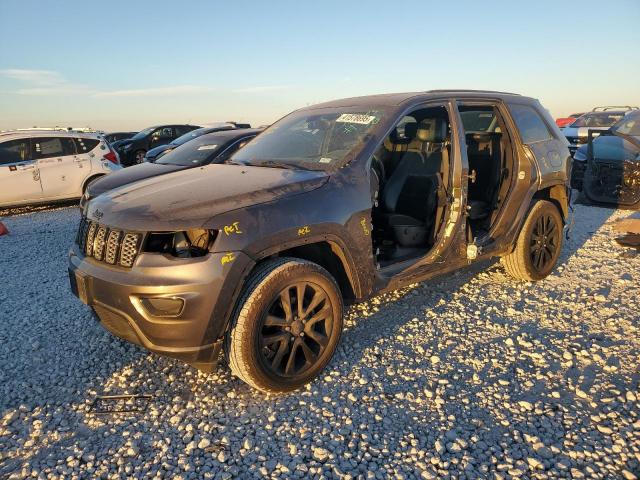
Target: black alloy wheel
(545, 242)
(296, 329)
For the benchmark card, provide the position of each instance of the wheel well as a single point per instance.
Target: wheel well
(89, 180)
(556, 194)
(324, 255)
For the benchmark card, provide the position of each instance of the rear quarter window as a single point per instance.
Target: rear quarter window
(530, 124)
(84, 145)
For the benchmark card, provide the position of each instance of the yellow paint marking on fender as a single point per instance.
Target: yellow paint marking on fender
(227, 258)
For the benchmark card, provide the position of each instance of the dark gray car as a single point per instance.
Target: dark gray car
(330, 205)
(209, 148)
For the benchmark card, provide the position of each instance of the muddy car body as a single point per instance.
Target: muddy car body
(334, 203)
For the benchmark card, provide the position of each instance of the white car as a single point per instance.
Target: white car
(38, 166)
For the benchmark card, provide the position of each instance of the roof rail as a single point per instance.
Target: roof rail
(59, 129)
(614, 107)
(470, 91)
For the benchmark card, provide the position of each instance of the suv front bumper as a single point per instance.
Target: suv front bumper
(121, 297)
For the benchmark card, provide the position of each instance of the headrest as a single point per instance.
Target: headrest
(433, 130)
(404, 134)
(410, 130)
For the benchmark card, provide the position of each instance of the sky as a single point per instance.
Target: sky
(125, 65)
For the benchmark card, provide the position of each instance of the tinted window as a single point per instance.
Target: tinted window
(532, 127)
(191, 154)
(85, 145)
(480, 120)
(52, 147)
(182, 129)
(14, 151)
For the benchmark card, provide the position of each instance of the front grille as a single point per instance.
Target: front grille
(109, 245)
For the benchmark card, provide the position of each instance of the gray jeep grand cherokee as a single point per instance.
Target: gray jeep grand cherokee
(332, 204)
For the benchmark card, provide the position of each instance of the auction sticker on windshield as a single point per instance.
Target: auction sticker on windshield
(356, 118)
(207, 147)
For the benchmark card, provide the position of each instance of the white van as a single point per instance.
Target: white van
(39, 166)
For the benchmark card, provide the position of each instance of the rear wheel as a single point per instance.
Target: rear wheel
(539, 244)
(286, 327)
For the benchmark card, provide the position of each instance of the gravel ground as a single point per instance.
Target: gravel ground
(471, 376)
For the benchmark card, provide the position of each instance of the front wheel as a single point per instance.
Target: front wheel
(539, 244)
(286, 326)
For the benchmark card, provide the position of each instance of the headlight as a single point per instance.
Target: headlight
(187, 244)
(127, 147)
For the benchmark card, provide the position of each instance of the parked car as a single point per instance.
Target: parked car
(46, 166)
(566, 121)
(332, 204)
(600, 119)
(153, 154)
(607, 169)
(116, 136)
(133, 150)
(215, 147)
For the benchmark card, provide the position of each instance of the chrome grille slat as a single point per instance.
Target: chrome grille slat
(91, 234)
(99, 242)
(129, 249)
(113, 242)
(112, 246)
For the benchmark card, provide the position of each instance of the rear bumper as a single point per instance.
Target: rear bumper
(120, 299)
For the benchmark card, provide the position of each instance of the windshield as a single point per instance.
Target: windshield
(312, 139)
(143, 133)
(599, 119)
(629, 125)
(193, 154)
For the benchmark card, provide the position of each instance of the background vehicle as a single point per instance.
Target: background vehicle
(45, 166)
(116, 136)
(133, 150)
(607, 169)
(599, 119)
(331, 204)
(566, 121)
(215, 147)
(153, 154)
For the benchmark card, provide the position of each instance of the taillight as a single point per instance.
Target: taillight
(112, 157)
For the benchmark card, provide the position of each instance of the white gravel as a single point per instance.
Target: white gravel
(471, 376)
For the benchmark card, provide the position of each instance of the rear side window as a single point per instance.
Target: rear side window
(85, 145)
(14, 151)
(532, 127)
(49, 147)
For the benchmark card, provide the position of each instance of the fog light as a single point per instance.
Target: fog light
(162, 306)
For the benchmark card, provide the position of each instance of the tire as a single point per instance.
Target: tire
(539, 244)
(275, 350)
(138, 157)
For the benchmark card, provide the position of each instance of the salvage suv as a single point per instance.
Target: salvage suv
(330, 205)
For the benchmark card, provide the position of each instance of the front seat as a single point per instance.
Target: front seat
(409, 198)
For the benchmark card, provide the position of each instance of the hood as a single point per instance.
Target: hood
(188, 198)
